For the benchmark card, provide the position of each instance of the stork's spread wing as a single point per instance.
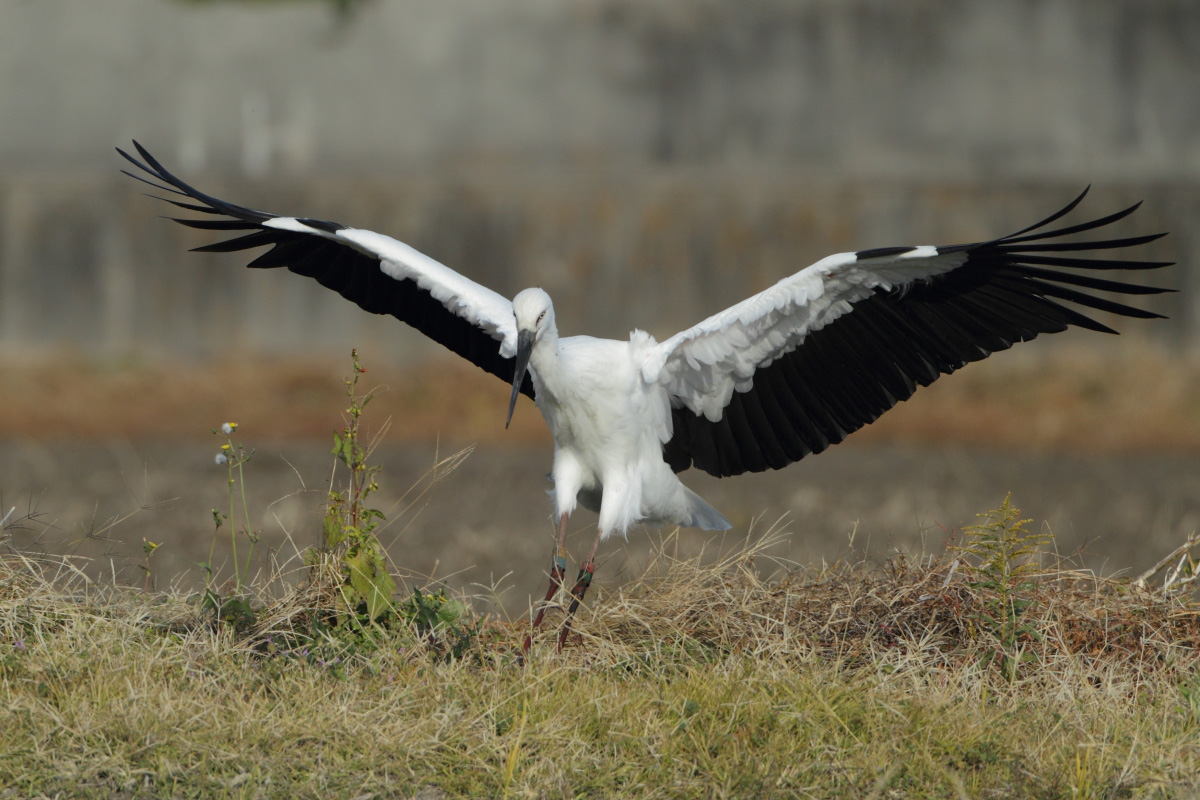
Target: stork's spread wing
(378, 273)
(803, 364)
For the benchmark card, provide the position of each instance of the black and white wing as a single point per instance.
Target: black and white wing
(803, 364)
(378, 273)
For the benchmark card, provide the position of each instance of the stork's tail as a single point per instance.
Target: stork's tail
(702, 515)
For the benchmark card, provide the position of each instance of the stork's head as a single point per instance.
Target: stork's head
(534, 314)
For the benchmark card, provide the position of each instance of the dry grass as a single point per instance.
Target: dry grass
(930, 608)
(924, 677)
(1113, 399)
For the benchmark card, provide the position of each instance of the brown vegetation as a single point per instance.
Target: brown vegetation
(1111, 400)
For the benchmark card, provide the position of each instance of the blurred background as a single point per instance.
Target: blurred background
(647, 164)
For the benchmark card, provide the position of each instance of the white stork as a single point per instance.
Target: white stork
(785, 373)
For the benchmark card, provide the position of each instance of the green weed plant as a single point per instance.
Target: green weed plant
(1002, 558)
(349, 525)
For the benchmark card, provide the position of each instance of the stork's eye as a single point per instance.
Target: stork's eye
(541, 316)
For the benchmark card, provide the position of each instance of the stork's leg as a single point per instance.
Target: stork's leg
(558, 571)
(581, 586)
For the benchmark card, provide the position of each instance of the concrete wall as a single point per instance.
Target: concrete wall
(647, 163)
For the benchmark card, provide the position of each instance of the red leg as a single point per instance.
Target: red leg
(558, 571)
(586, 570)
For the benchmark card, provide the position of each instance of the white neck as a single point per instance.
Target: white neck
(546, 365)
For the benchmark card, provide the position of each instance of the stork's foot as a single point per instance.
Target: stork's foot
(577, 593)
(558, 571)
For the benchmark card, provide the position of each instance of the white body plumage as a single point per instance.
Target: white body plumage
(609, 426)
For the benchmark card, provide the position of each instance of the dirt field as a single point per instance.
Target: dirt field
(1103, 452)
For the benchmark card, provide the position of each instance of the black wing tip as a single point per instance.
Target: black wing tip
(1043, 246)
(1062, 212)
(154, 167)
(1013, 240)
(175, 185)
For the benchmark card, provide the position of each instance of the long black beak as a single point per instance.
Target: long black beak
(524, 348)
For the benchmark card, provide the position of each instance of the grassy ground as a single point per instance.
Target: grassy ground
(979, 673)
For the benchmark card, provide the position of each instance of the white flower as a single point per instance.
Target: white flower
(228, 427)
(222, 459)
